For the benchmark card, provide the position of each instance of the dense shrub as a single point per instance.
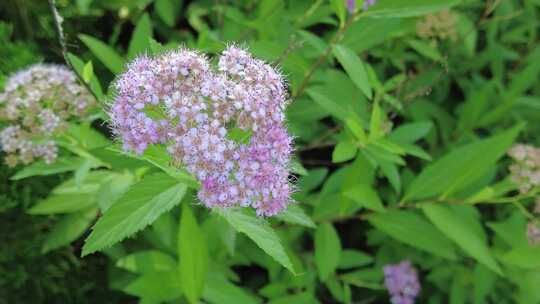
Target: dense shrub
(389, 150)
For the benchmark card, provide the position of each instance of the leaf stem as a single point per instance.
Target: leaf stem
(63, 47)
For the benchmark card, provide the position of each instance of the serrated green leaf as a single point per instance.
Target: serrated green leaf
(327, 250)
(458, 229)
(260, 232)
(193, 254)
(141, 205)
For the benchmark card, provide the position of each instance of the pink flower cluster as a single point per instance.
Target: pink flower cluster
(37, 103)
(180, 100)
(402, 283)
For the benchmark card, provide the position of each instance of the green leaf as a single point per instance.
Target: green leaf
(410, 228)
(354, 258)
(220, 291)
(297, 168)
(365, 196)
(460, 230)
(156, 48)
(410, 8)
(425, 49)
(88, 72)
(330, 106)
(158, 157)
(157, 286)
(90, 185)
(113, 189)
(375, 124)
(79, 67)
(354, 67)
(167, 10)
(64, 203)
(390, 170)
(339, 9)
(140, 39)
(460, 167)
(68, 229)
(524, 257)
(62, 164)
(193, 254)
(304, 297)
(107, 55)
(239, 136)
(410, 132)
(511, 230)
(147, 262)
(327, 250)
(344, 151)
(141, 205)
(260, 232)
(312, 180)
(355, 125)
(296, 215)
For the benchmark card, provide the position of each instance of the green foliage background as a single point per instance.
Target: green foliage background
(400, 154)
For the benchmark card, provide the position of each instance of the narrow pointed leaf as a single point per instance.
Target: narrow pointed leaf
(139, 207)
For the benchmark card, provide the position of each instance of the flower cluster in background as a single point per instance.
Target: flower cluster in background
(533, 230)
(36, 104)
(442, 26)
(179, 100)
(401, 281)
(351, 5)
(525, 172)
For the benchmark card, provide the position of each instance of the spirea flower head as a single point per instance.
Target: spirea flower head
(441, 25)
(179, 99)
(525, 172)
(36, 104)
(401, 281)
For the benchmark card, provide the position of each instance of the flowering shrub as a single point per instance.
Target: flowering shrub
(408, 182)
(37, 103)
